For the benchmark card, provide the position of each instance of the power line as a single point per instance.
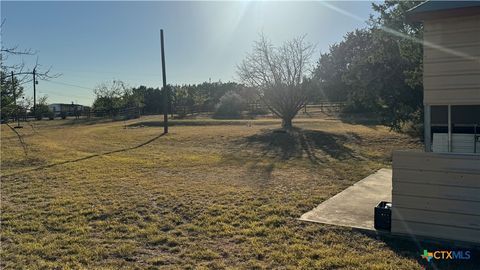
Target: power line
(69, 84)
(63, 95)
(67, 95)
(113, 72)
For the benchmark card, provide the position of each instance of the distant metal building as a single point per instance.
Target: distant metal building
(66, 109)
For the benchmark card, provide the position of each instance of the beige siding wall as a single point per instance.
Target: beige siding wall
(436, 195)
(452, 64)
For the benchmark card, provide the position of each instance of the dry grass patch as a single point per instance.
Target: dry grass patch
(204, 196)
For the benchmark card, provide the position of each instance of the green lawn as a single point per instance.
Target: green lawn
(210, 194)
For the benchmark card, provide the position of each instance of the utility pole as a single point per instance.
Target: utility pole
(165, 91)
(34, 94)
(14, 96)
(15, 101)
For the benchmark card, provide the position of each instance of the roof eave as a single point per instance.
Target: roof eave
(431, 15)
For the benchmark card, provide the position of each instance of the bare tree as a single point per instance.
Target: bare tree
(115, 89)
(23, 74)
(278, 74)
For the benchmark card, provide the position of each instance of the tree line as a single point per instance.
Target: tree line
(376, 69)
(114, 96)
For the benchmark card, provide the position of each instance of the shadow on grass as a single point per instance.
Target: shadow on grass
(414, 248)
(207, 122)
(87, 157)
(88, 121)
(297, 143)
(20, 139)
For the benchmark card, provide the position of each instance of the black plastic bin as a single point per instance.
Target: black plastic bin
(383, 216)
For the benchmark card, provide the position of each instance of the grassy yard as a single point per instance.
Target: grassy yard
(210, 194)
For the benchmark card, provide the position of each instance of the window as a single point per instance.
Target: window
(465, 121)
(463, 134)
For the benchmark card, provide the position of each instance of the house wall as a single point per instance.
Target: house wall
(452, 66)
(436, 195)
(54, 107)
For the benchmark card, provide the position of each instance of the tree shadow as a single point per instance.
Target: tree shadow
(203, 122)
(316, 145)
(88, 121)
(87, 157)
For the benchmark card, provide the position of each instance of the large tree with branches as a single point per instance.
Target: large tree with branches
(278, 73)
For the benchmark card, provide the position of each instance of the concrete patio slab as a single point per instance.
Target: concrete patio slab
(354, 206)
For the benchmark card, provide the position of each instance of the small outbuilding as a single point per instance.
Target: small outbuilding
(436, 193)
(67, 109)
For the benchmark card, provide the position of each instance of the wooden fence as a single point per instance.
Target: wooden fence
(325, 107)
(259, 108)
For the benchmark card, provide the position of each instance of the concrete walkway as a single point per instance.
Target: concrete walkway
(354, 206)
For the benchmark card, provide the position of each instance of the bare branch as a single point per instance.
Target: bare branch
(278, 72)
(23, 74)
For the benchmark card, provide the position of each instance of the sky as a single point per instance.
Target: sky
(93, 42)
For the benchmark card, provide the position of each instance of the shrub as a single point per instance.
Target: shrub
(230, 105)
(41, 111)
(51, 115)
